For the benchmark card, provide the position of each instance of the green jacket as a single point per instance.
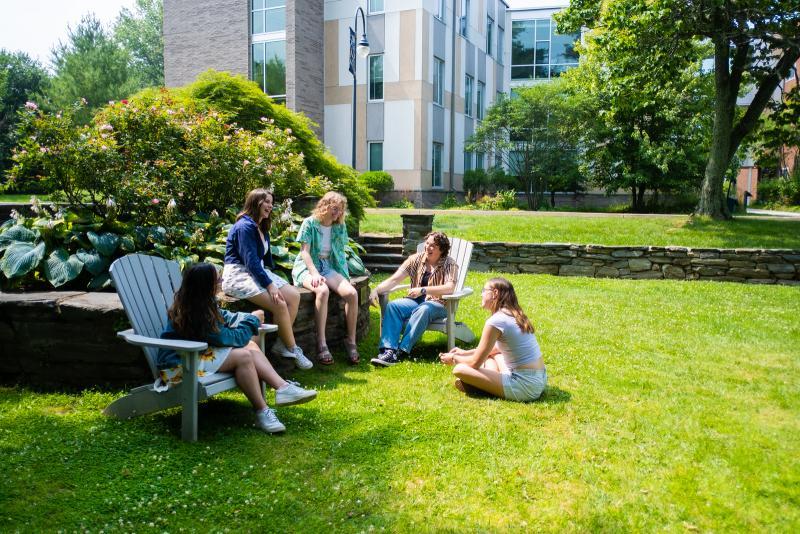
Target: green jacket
(310, 233)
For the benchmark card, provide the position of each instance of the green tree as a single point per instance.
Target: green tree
(754, 41)
(642, 132)
(21, 80)
(140, 33)
(533, 134)
(91, 65)
(780, 132)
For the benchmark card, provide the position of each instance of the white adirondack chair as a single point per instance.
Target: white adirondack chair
(461, 252)
(146, 286)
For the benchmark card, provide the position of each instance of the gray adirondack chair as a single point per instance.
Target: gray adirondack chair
(461, 252)
(146, 287)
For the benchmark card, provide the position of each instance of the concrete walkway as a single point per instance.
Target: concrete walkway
(774, 213)
(520, 213)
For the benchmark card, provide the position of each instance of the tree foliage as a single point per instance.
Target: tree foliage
(140, 33)
(21, 80)
(755, 43)
(533, 135)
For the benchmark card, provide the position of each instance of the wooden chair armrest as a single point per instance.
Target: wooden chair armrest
(267, 328)
(458, 295)
(175, 344)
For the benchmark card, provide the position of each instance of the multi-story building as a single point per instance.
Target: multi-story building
(433, 69)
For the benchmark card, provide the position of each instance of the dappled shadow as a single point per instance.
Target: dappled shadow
(732, 234)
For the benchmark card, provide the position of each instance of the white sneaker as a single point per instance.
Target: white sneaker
(279, 349)
(300, 359)
(292, 393)
(268, 421)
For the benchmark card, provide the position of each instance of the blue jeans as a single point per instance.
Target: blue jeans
(405, 316)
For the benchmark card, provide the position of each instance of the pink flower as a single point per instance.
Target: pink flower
(154, 201)
(31, 106)
(106, 128)
(245, 163)
(124, 102)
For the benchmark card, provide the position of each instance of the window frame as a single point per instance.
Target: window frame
(480, 95)
(489, 35)
(370, 144)
(371, 11)
(438, 88)
(434, 167)
(263, 82)
(469, 90)
(263, 12)
(371, 83)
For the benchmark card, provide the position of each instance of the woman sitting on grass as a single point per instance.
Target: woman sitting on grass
(248, 274)
(321, 267)
(507, 362)
(194, 315)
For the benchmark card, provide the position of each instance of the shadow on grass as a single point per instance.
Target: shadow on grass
(780, 234)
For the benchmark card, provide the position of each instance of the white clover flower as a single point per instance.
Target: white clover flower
(36, 206)
(171, 205)
(106, 128)
(84, 101)
(14, 215)
(111, 203)
(214, 213)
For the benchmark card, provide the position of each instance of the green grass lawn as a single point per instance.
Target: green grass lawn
(671, 406)
(22, 197)
(679, 230)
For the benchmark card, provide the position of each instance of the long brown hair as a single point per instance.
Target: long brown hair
(252, 208)
(331, 198)
(507, 300)
(194, 312)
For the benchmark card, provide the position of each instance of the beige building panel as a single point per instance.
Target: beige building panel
(412, 180)
(408, 34)
(331, 55)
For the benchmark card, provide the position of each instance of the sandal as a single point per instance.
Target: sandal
(352, 353)
(324, 356)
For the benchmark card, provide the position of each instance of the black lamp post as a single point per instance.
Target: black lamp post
(363, 51)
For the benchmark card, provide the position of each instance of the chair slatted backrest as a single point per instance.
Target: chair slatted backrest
(146, 287)
(461, 252)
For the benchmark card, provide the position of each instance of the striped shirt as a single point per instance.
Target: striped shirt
(445, 270)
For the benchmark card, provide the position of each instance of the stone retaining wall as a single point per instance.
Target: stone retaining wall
(67, 339)
(754, 266)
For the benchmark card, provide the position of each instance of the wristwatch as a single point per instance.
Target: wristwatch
(423, 291)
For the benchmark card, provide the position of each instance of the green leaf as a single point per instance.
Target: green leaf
(105, 243)
(101, 281)
(93, 261)
(278, 250)
(128, 244)
(21, 258)
(60, 267)
(17, 234)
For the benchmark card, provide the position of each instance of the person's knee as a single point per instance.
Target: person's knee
(322, 291)
(460, 370)
(350, 294)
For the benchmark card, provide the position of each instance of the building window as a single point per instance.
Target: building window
(479, 99)
(479, 160)
(489, 35)
(375, 6)
(467, 161)
(269, 68)
(376, 77)
(464, 18)
(441, 9)
(438, 81)
(501, 35)
(538, 52)
(376, 156)
(468, 83)
(437, 165)
(268, 16)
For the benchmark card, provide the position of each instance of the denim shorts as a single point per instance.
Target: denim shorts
(324, 267)
(524, 385)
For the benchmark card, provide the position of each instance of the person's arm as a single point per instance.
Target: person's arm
(475, 357)
(316, 278)
(248, 240)
(384, 287)
(235, 331)
(436, 291)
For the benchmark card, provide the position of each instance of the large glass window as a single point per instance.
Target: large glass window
(479, 160)
(469, 81)
(441, 9)
(269, 68)
(437, 165)
(376, 77)
(479, 100)
(438, 81)
(268, 16)
(376, 156)
(464, 18)
(501, 35)
(376, 6)
(467, 161)
(489, 35)
(538, 52)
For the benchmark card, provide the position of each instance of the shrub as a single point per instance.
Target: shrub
(404, 203)
(500, 181)
(476, 181)
(449, 202)
(782, 191)
(378, 182)
(502, 200)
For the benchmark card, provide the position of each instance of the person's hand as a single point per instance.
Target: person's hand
(317, 280)
(447, 358)
(259, 314)
(456, 350)
(414, 292)
(275, 293)
(373, 298)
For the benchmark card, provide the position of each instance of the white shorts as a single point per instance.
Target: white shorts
(237, 282)
(524, 385)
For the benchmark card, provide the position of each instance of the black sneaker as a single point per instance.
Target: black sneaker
(386, 358)
(403, 355)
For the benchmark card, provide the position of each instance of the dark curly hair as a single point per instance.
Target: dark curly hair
(194, 312)
(441, 242)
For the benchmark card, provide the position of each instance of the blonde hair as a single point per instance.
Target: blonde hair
(507, 299)
(330, 198)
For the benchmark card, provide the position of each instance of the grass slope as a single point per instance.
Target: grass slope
(671, 406)
(678, 230)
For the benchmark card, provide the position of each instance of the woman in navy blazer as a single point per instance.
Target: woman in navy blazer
(248, 273)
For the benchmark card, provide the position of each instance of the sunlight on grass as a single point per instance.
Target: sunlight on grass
(670, 406)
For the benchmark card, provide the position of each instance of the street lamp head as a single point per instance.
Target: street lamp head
(363, 46)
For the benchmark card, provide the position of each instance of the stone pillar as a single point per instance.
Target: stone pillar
(415, 228)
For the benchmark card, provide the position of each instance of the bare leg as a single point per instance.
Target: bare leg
(292, 297)
(491, 364)
(266, 373)
(280, 314)
(321, 294)
(345, 289)
(486, 379)
(241, 363)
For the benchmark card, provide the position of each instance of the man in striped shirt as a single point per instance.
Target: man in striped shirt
(433, 273)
